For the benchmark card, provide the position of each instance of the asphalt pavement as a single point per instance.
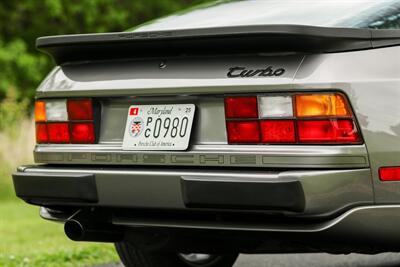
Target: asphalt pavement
(314, 260)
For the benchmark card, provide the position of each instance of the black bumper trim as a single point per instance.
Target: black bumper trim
(265, 194)
(55, 188)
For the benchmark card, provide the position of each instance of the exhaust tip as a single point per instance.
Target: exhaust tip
(74, 230)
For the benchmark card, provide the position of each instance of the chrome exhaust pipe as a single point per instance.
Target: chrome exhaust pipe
(91, 228)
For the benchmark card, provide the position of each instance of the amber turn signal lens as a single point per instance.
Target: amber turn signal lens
(324, 105)
(40, 111)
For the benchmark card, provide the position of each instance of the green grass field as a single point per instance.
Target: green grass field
(25, 238)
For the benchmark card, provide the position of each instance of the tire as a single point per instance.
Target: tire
(132, 256)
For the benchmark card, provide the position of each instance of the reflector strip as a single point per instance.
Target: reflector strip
(389, 173)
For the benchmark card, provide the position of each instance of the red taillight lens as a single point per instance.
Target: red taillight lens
(80, 109)
(62, 121)
(389, 174)
(241, 107)
(291, 118)
(243, 132)
(277, 131)
(328, 131)
(82, 133)
(58, 132)
(41, 133)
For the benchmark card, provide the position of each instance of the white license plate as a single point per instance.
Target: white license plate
(158, 127)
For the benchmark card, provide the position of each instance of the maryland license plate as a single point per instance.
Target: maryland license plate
(158, 127)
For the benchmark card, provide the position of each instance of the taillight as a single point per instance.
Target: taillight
(389, 173)
(277, 131)
(80, 109)
(300, 118)
(241, 107)
(322, 105)
(82, 132)
(62, 121)
(328, 131)
(58, 132)
(243, 132)
(41, 133)
(40, 111)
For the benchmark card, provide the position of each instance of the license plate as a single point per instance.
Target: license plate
(158, 127)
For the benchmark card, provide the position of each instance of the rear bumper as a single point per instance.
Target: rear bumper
(52, 188)
(365, 229)
(299, 193)
(56, 187)
(257, 206)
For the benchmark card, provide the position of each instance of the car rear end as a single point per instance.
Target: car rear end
(254, 139)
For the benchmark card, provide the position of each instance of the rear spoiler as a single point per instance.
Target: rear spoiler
(211, 41)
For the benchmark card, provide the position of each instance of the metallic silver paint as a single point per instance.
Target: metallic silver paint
(339, 181)
(326, 191)
(182, 76)
(209, 128)
(370, 78)
(368, 223)
(372, 81)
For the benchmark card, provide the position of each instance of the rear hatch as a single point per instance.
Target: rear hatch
(124, 74)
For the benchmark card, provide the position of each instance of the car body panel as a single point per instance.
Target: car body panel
(330, 14)
(374, 93)
(377, 110)
(326, 192)
(337, 193)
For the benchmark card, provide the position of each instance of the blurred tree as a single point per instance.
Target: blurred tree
(21, 22)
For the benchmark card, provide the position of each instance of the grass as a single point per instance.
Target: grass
(26, 239)
(16, 148)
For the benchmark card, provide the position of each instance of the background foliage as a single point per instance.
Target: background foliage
(28, 240)
(22, 67)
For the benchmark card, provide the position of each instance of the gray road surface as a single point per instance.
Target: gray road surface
(315, 260)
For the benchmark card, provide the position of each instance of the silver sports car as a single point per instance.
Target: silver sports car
(236, 127)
